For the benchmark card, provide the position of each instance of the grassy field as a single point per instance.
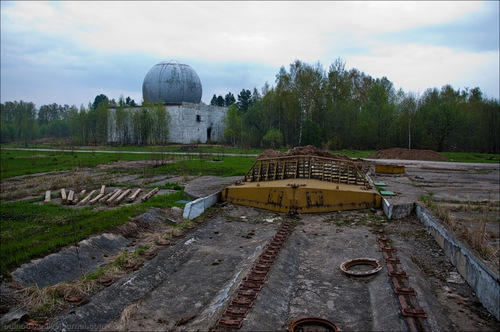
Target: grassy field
(466, 157)
(212, 161)
(203, 148)
(30, 230)
(13, 163)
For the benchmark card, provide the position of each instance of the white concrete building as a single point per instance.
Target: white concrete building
(189, 124)
(178, 87)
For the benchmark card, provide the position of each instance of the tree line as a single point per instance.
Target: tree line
(334, 109)
(22, 121)
(348, 109)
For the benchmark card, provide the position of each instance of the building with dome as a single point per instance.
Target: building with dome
(172, 83)
(178, 87)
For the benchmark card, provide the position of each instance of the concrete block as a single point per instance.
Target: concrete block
(398, 211)
(47, 196)
(196, 208)
(87, 198)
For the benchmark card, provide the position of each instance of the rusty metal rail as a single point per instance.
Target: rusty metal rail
(235, 313)
(407, 296)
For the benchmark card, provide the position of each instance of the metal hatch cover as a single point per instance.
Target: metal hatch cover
(304, 184)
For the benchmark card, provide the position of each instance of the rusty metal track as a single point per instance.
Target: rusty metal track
(407, 296)
(234, 315)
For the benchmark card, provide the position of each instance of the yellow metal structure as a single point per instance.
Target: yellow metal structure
(389, 169)
(304, 184)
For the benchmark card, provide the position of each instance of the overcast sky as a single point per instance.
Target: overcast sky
(68, 52)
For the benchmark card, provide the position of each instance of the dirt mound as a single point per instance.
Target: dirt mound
(308, 150)
(270, 153)
(406, 154)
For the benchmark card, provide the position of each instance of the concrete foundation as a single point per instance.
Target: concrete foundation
(196, 208)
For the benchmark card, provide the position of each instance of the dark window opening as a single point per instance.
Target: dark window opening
(198, 118)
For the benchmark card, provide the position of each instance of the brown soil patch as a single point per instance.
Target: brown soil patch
(308, 150)
(270, 153)
(134, 165)
(406, 154)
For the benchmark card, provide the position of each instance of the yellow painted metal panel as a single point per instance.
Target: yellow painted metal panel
(302, 196)
(389, 169)
(304, 184)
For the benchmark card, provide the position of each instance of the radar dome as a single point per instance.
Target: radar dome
(172, 83)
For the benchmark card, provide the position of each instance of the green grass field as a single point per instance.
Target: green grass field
(13, 163)
(470, 157)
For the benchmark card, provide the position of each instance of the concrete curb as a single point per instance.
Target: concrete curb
(195, 208)
(485, 283)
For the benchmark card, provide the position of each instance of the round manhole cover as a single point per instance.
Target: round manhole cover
(360, 267)
(313, 324)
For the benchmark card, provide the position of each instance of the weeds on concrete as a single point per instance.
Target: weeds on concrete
(148, 172)
(49, 300)
(475, 235)
(230, 218)
(45, 302)
(126, 315)
(427, 200)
